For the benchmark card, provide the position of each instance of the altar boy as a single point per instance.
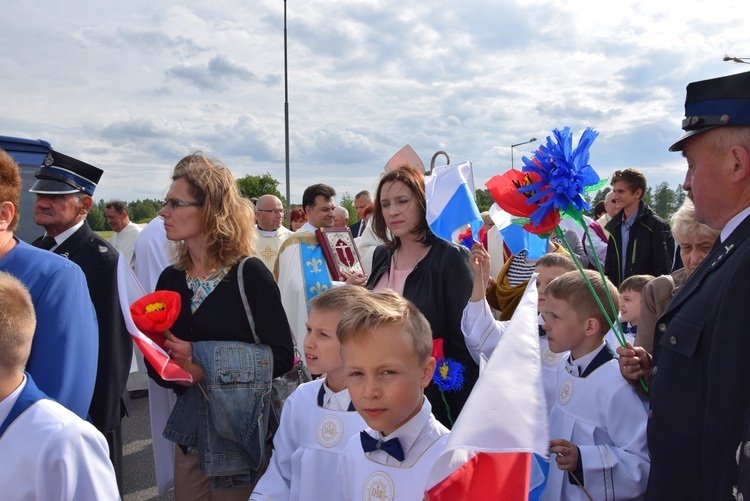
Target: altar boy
(318, 418)
(597, 422)
(386, 345)
(46, 451)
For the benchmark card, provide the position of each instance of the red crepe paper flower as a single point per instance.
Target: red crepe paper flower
(437, 348)
(155, 313)
(506, 191)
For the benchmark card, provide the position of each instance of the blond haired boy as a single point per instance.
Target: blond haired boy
(46, 451)
(597, 421)
(318, 417)
(386, 345)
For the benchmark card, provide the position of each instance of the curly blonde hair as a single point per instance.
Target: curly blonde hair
(228, 219)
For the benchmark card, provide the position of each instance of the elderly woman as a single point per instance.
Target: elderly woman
(218, 422)
(695, 240)
(430, 272)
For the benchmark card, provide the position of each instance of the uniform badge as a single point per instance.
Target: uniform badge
(48, 160)
(330, 431)
(550, 358)
(566, 391)
(378, 487)
(103, 249)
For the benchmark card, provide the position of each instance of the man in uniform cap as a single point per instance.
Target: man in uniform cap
(64, 189)
(700, 375)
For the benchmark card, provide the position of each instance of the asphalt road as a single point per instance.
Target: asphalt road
(138, 459)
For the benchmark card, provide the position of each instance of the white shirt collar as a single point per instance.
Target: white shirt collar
(338, 401)
(266, 233)
(7, 404)
(733, 223)
(62, 237)
(580, 364)
(307, 227)
(408, 432)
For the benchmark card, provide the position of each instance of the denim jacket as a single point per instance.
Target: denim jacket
(229, 430)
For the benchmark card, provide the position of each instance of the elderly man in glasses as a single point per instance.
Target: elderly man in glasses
(271, 233)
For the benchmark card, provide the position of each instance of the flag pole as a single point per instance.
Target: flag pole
(286, 124)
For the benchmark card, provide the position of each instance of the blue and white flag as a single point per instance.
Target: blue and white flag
(450, 200)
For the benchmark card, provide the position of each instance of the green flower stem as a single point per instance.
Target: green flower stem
(447, 408)
(616, 327)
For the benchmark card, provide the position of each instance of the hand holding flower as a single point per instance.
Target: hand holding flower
(182, 353)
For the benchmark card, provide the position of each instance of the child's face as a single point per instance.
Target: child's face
(322, 348)
(630, 306)
(565, 330)
(385, 378)
(546, 275)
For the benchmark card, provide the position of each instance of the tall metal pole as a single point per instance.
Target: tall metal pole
(286, 125)
(518, 144)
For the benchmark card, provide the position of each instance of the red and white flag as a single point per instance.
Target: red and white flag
(499, 446)
(130, 290)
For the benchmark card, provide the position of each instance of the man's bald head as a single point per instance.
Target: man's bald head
(270, 212)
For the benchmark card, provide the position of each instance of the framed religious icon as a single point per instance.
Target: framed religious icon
(340, 251)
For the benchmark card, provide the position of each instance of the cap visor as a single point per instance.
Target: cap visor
(681, 142)
(52, 187)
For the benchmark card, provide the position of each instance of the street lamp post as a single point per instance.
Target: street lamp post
(518, 144)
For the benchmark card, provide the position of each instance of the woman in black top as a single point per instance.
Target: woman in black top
(212, 227)
(433, 274)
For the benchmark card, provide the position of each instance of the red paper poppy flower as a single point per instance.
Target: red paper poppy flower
(505, 191)
(156, 312)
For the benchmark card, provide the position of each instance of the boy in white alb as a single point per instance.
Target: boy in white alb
(598, 421)
(482, 332)
(46, 451)
(386, 345)
(318, 418)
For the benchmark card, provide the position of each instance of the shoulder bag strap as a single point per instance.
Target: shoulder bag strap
(241, 283)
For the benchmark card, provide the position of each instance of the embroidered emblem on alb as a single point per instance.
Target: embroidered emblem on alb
(566, 391)
(330, 431)
(550, 358)
(378, 487)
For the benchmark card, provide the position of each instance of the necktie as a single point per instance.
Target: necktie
(392, 446)
(362, 227)
(46, 243)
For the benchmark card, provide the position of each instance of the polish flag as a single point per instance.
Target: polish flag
(499, 446)
(130, 290)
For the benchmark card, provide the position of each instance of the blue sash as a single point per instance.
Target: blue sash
(28, 397)
(314, 271)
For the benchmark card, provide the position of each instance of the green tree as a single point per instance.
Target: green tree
(648, 197)
(484, 200)
(96, 218)
(255, 186)
(663, 200)
(679, 198)
(143, 211)
(347, 202)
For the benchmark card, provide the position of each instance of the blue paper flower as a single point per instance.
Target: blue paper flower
(565, 173)
(449, 375)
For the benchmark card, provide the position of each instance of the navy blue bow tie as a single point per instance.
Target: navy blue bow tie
(392, 446)
(633, 329)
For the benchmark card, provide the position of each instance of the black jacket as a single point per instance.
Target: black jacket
(98, 260)
(650, 246)
(700, 385)
(440, 286)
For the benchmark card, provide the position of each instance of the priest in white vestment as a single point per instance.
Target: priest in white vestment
(269, 214)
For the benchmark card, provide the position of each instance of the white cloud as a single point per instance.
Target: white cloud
(133, 87)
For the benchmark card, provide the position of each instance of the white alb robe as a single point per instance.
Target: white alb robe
(49, 453)
(307, 447)
(267, 244)
(604, 416)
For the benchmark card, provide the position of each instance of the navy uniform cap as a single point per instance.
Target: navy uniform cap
(61, 174)
(715, 103)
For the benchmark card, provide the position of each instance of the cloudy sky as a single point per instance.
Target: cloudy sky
(131, 87)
